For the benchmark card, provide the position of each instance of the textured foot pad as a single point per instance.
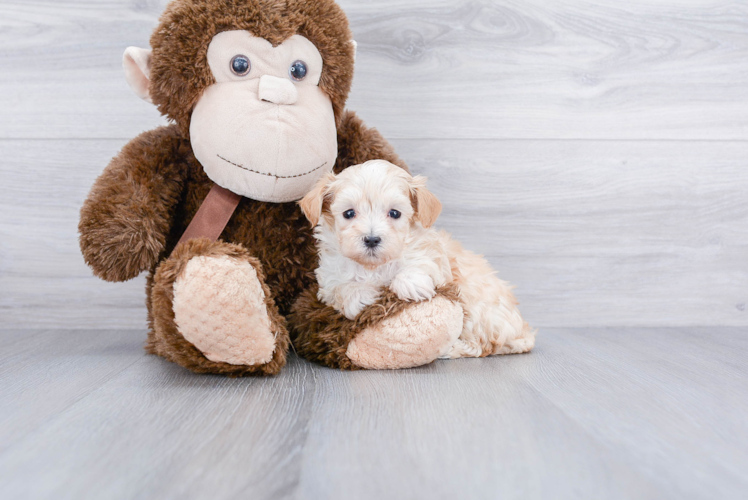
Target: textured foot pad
(219, 307)
(415, 337)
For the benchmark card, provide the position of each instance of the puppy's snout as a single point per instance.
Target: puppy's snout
(372, 241)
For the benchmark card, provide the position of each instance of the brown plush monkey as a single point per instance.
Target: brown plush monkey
(256, 91)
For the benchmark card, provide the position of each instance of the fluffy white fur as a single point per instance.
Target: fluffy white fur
(412, 259)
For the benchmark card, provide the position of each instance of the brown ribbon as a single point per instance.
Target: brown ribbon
(213, 215)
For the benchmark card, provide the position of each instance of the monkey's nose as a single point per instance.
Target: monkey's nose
(277, 90)
(372, 241)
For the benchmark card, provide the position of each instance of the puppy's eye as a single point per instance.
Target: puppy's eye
(349, 214)
(394, 214)
(297, 71)
(240, 65)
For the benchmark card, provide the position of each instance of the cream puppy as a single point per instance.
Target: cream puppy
(373, 228)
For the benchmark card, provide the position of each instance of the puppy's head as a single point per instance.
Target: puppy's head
(370, 210)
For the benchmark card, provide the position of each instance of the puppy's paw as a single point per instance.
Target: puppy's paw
(413, 287)
(357, 299)
(352, 308)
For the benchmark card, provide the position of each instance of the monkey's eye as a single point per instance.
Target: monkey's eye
(240, 65)
(349, 214)
(394, 214)
(297, 71)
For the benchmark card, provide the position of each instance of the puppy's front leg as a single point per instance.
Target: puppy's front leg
(352, 298)
(413, 285)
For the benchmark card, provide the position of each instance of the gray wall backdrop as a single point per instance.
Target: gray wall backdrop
(595, 151)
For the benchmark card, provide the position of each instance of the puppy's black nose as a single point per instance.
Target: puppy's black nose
(372, 241)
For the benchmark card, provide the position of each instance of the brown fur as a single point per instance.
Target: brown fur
(143, 201)
(180, 69)
(315, 200)
(426, 206)
(321, 334)
(129, 213)
(358, 144)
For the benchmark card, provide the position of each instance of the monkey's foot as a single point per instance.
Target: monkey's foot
(219, 307)
(220, 318)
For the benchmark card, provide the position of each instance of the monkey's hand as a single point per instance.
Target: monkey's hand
(128, 213)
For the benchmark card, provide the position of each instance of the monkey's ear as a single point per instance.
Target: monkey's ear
(312, 203)
(355, 48)
(137, 64)
(427, 205)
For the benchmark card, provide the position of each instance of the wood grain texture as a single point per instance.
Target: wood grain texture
(602, 232)
(614, 232)
(43, 373)
(592, 233)
(600, 69)
(594, 150)
(591, 413)
(42, 273)
(155, 431)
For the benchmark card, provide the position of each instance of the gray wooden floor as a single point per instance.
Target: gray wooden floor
(592, 413)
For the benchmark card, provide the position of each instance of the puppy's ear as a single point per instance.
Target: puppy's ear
(427, 206)
(311, 204)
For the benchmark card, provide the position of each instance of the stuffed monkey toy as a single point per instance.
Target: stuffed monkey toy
(255, 91)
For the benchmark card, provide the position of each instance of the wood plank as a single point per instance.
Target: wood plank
(591, 232)
(591, 413)
(602, 232)
(465, 429)
(159, 431)
(43, 278)
(43, 373)
(653, 395)
(646, 413)
(80, 91)
(599, 69)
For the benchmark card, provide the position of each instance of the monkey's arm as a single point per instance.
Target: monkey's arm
(357, 143)
(128, 213)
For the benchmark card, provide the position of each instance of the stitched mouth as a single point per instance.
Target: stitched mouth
(271, 175)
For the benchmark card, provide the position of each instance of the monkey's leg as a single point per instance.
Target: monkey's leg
(387, 335)
(211, 312)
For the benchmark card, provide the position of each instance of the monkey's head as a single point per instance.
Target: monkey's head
(258, 86)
